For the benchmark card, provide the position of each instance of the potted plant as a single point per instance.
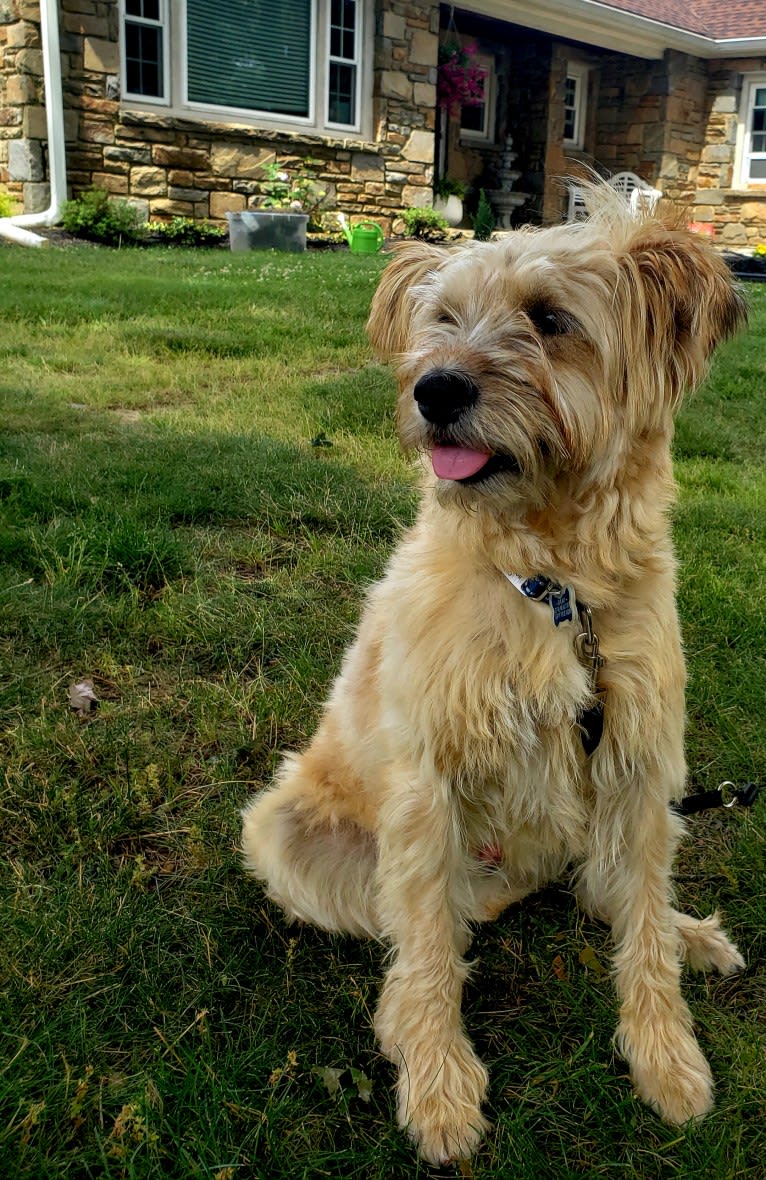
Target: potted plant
(289, 204)
(448, 199)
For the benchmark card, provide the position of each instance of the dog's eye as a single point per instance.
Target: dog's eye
(551, 321)
(446, 317)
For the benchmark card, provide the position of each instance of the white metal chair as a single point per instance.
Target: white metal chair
(640, 196)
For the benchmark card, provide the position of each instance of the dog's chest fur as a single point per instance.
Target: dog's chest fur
(480, 685)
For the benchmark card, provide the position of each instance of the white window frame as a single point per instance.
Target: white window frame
(579, 73)
(175, 79)
(356, 62)
(752, 82)
(486, 134)
(164, 25)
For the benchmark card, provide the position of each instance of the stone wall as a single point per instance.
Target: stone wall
(186, 166)
(675, 122)
(630, 130)
(651, 119)
(22, 114)
(739, 217)
(678, 151)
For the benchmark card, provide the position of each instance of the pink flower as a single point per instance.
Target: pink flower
(460, 83)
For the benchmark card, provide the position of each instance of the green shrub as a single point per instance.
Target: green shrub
(7, 204)
(94, 216)
(484, 220)
(426, 224)
(185, 231)
(444, 187)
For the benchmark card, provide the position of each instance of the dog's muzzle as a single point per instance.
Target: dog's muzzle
(442, 396)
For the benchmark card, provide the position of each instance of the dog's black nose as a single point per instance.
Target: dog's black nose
(442, 396)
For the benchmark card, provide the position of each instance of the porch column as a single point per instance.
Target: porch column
(404, 99)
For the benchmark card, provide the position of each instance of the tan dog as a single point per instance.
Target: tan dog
(449, 775)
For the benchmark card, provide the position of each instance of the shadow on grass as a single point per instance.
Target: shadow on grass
(92, 513)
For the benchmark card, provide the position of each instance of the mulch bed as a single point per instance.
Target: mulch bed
(746, 267)
(59, 237)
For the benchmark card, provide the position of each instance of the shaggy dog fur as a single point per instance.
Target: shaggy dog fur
(447, 778)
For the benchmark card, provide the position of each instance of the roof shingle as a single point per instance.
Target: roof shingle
(718, 19)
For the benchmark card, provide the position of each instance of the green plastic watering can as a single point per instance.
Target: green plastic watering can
(366, 237)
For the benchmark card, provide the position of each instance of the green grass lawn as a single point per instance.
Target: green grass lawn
(198, 477)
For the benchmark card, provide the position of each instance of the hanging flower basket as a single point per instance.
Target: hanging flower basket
(459, 80)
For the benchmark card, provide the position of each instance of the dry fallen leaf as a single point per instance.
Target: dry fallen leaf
(82, 698)
(330, 1078)
(362, 1083)
(590, 961)
(559, 970)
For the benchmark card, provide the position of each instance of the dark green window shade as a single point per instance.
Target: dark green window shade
(251, 54)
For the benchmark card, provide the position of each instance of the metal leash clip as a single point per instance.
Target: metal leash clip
(587, 646)
(728, 795)
(591, 720)
(745, 796)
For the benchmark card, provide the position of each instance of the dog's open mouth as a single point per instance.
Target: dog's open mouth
(466, 465)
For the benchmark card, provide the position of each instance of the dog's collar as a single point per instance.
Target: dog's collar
(561, 599)
(566, 608)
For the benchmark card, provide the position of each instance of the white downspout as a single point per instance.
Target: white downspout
(12, 227)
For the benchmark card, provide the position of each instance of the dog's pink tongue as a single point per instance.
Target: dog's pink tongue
(458, 462)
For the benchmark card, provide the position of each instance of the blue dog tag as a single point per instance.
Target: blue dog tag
(564, 606)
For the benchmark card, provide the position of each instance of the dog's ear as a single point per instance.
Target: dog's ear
(388, 322)
(685, 303)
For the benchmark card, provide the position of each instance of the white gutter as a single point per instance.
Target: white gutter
(741, 46)
(13, 228)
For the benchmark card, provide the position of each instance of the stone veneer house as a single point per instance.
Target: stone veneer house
(176, 104)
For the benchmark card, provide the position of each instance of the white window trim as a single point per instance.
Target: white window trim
(176, 77)
(743, 153)
(357, 62)
(164, 24)
(487, 132)
(579, 72)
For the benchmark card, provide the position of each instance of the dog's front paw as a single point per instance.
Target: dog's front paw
(439, 1102)
(670, 1073)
